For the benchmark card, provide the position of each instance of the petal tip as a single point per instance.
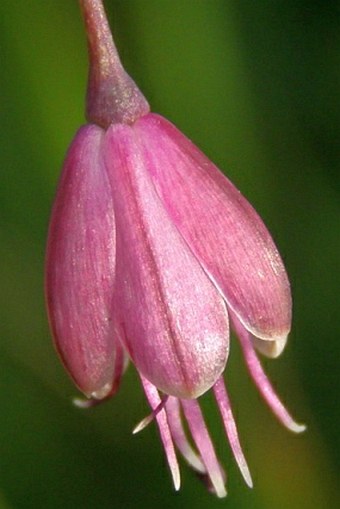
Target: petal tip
(271, 348)
(103, 392)
(247, 476)
(82, 403)
(94, 398)
(221, 492)
(176, 480)
(297, 428)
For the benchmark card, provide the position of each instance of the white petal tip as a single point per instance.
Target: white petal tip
(221, 492)
(197, 465)
(249, 482)
(176, 480)
(270, 348)
(217, 481)
(94, 398)
(103, 392)
(247, 478)
(244, 470)
(297, 428)
(82, 403)
(86, 403)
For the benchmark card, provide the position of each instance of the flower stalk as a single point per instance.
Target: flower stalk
(112, 96)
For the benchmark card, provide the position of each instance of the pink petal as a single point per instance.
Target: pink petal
(262, 383)
(224, 405)
(173, 319)
(164, 430)
(80, 267)
(204, 444)
(221, 228)
(179, 436)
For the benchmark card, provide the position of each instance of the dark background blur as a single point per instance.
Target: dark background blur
(256, 86)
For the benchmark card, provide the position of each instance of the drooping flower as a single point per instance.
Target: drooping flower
(152, 252)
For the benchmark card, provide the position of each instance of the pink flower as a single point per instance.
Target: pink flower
(152, 252)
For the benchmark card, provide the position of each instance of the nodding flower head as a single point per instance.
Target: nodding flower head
(153, 255)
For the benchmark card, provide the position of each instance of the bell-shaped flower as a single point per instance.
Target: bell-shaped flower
(188, 247)
(152, 252)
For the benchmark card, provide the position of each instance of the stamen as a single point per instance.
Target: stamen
(178, 434)
(262, 382)
(204, 444)
(164, 430)
(223, 402)
(149, 418)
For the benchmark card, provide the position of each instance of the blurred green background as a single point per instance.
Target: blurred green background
(256, 86)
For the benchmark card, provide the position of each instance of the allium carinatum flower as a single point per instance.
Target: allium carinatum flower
(152, 256)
